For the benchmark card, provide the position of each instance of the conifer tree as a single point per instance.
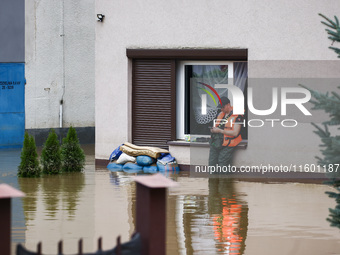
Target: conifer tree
(330, 147)
(51, 154)
(29, 165)
(72, 154)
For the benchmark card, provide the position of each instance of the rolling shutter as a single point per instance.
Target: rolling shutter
(153, 102)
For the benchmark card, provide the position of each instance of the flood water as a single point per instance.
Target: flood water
(204, 216)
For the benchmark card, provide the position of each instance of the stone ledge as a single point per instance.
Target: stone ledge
(242, 145)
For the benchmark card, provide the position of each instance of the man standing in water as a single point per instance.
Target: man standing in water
(225, 135)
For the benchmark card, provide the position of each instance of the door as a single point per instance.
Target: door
(12, 104)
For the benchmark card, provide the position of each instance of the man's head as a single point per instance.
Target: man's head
(225, 107)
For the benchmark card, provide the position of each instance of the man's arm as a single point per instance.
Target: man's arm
(234, 133)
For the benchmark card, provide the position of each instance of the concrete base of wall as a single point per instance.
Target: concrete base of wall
(100, 163)
(86, 135)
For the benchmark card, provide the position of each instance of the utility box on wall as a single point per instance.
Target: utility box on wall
(12, 104)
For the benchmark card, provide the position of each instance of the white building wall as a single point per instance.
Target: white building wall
(60, 39)
(274, 32)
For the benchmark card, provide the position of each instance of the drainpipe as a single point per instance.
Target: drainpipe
(61, 114)
(63, 67)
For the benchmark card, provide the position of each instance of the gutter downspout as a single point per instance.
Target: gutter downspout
(61, 114)
(63, 85)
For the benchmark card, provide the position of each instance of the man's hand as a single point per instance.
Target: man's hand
(216, 130)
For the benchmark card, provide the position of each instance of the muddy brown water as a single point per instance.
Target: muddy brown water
(204, 216)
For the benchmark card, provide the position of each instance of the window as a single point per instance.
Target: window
(200, 84)
(160, 80)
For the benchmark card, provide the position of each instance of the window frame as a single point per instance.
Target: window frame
(180, 89)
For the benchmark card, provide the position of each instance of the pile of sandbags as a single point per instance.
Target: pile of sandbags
(132, 158)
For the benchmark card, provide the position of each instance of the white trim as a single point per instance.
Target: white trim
(180, 89)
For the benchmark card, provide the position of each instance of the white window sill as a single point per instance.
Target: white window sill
(242, 145)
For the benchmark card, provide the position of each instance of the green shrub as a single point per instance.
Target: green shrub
(51, 155)
(72, 154)
(29, 165)
(330, 144)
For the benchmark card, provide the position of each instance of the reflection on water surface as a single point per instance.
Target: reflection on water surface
(204, 216)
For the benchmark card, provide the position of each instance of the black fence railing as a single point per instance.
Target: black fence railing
(132, 247)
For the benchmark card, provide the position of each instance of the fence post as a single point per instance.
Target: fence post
(151, 212)
(6, 194)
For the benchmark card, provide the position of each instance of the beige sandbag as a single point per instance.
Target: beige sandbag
(134, 150)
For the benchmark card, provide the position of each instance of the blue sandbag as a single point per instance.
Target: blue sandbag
(150, 169)
(171, 166)
(132, 168)
(144, 160)
(166, 158)
(115, 154)
(114, 167)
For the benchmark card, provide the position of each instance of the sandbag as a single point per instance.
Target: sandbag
(132, 168)
(124, 158)
(144, 160)
(171, 166)
(150, 169)
(165, 158)
(134, 150)
(115, 154)
(114, 167)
